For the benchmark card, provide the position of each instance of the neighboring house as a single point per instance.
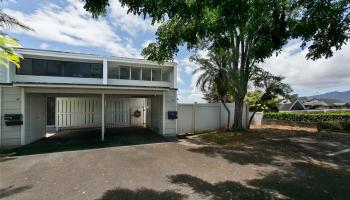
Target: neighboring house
(62, 90)
(289, 105)
(316, 104)
(321, 104)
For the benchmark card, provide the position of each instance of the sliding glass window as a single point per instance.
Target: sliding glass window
(43, 67)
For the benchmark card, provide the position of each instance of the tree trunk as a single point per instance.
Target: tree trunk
(250, 119)
(237, 125)
(228, 114)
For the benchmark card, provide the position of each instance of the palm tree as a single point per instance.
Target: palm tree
(271, 86)
(214, 77)
(8, 43)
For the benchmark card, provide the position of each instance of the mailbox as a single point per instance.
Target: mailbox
(13, 119)
(172, 114)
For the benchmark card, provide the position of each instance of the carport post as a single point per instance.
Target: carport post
(103, 117)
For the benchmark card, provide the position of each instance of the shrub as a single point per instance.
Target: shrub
(308, 117)
(335, 125)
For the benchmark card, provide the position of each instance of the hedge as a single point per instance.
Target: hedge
(308, 117)
(334, 125)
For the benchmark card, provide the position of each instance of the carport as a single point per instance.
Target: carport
(65, 108)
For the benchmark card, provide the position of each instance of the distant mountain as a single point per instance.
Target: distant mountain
(341, 96)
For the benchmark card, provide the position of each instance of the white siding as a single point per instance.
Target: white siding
(35, 120)
(10, 104)
(170, 104)
(157, 114)
(3, 74)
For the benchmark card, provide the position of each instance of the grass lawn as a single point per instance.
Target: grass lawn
(307, 165)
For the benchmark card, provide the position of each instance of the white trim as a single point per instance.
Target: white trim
(105, 71)
(175, 76)
(8, 72)
(23, 127)
(103, 117)
(0, 116)
(58, 54)
(87, 86)
(163, 111)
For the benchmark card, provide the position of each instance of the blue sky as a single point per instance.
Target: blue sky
(65, 26)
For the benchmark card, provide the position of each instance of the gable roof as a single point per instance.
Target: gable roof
(286, 105)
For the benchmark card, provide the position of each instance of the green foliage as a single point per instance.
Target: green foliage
(334, 125)
(8, 43)
(308, 117)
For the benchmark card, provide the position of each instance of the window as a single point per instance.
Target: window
(156, 74)
(54, 68)
(96, 70)
(124, 72)
(135, 73)
(25, 67)
(40, 67)
(146, 74)
(113, 72)
(165, 75)
(71, 69)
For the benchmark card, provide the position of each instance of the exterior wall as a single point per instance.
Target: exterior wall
(170, 104)
(10, 104)
(35, 117)
(108, 62)
(157, 114)
(3, 74)
(56, 79)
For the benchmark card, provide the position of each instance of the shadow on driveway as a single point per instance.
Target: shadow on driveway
(88, 139)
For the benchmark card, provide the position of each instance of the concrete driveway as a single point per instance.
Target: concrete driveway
(155, 170)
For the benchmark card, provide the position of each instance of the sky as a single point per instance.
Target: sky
(64, 25)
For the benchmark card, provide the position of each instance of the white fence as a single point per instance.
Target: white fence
(205, 117)
(78, 112)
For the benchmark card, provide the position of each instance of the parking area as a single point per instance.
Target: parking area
(262, 164)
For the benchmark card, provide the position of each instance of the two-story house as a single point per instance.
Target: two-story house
(63, 90)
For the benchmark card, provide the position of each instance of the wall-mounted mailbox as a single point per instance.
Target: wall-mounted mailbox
(13, 119)
(172, 114)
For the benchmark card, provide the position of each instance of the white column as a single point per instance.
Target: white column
(175, 76)
(103, 117)
(23, 128)
(105, 71)
(0, 116)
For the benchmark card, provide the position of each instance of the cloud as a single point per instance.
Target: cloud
(131, 24)
(192, 94)
(305, 74)
(146, 43)
(44, 45)
(72, 25)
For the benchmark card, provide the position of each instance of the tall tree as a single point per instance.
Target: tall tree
(251, 30)
(213, 76)
(8, 43)
(270, 88)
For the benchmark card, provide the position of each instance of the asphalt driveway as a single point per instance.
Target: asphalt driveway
(156, 168)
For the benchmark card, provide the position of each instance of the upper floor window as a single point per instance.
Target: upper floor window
(137, 73)
(41, 67)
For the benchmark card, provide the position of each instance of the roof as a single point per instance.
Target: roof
(286, 105)
(315, 102)
(65, 54)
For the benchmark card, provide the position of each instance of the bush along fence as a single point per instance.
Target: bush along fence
(308, 117)
(338, 121)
